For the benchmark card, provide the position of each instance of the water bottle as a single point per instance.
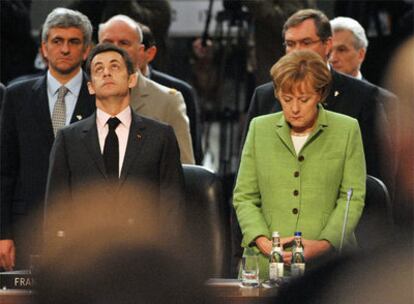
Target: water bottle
(297, 267)
(276, 259)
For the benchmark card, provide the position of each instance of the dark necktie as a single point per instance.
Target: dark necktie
(111, 149)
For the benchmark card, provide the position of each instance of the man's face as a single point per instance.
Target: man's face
(304, 37)
(121, 34)
(65, 50)
(345, 57)
(109, 76)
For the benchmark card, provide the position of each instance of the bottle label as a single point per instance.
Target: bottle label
(297, 269)
(275, 271)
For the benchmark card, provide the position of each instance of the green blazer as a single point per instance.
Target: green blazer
(280, 190)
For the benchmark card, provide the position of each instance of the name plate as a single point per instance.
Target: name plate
(21, 279)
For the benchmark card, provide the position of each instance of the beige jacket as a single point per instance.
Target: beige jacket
(166, 105)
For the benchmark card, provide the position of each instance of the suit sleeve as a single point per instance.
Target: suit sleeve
(354, 176)
(246, 197)
(58, 179)
(172, 195)
(9, 165)
(178, 119)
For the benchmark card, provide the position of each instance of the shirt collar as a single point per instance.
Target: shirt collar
(124, 116)
(359, 75)
(73, 85)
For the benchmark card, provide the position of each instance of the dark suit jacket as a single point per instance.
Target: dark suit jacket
(193, 109)
(25, 142)
(152, 158)
(2, 92)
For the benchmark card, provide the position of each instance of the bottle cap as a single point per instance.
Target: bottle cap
(275, 234)
(298, 233)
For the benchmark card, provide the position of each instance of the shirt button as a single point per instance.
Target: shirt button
(296, 174)
(295, 210)
(301, 158)
(296, 193)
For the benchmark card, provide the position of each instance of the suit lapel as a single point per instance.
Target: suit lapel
(39, 100)
(85, 105)
(135, 140)
(335, 91)
(283, 131)
(91, 141)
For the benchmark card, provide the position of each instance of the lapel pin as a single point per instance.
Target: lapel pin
(336, 93)
(79, 117)
(139, 136)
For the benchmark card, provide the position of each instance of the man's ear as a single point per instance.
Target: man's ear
(132, 80)
(91, 88)
(150, 53)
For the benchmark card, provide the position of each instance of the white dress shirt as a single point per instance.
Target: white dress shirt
(122, 131)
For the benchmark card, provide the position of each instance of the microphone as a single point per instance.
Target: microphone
(348, 201)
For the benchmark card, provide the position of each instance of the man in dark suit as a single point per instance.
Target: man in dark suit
(33, 110)
(310, 29)
(190, 99)
(116, 147)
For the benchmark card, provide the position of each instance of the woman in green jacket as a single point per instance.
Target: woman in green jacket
(298, 165)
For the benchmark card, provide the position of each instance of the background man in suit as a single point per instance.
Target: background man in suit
(190, 99)
(149, 98)
(32, 112)
(310, 29)
(349, 46)
(115, 147)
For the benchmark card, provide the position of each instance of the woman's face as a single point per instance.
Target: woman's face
(300, 106)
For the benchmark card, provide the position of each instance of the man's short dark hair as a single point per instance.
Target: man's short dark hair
(148, 39)
(322, 24)
(109, 47)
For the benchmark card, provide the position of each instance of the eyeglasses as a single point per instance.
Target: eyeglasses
(291, 44)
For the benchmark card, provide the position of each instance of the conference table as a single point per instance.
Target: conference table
(228, 291)
(220, 290)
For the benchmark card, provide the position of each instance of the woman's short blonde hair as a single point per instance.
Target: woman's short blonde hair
(301, 67)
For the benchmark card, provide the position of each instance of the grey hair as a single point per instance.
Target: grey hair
(65, 18)
(349, 24)
(131, 22)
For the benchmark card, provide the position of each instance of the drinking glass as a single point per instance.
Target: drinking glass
(250, 269)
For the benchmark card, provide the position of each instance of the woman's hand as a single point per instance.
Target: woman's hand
(264, 245)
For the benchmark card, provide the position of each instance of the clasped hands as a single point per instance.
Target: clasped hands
(312, 248)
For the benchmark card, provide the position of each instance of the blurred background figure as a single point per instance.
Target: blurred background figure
(268, 19)
(18, 48)
(400, 75)
(101, 250)
(155, 13)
